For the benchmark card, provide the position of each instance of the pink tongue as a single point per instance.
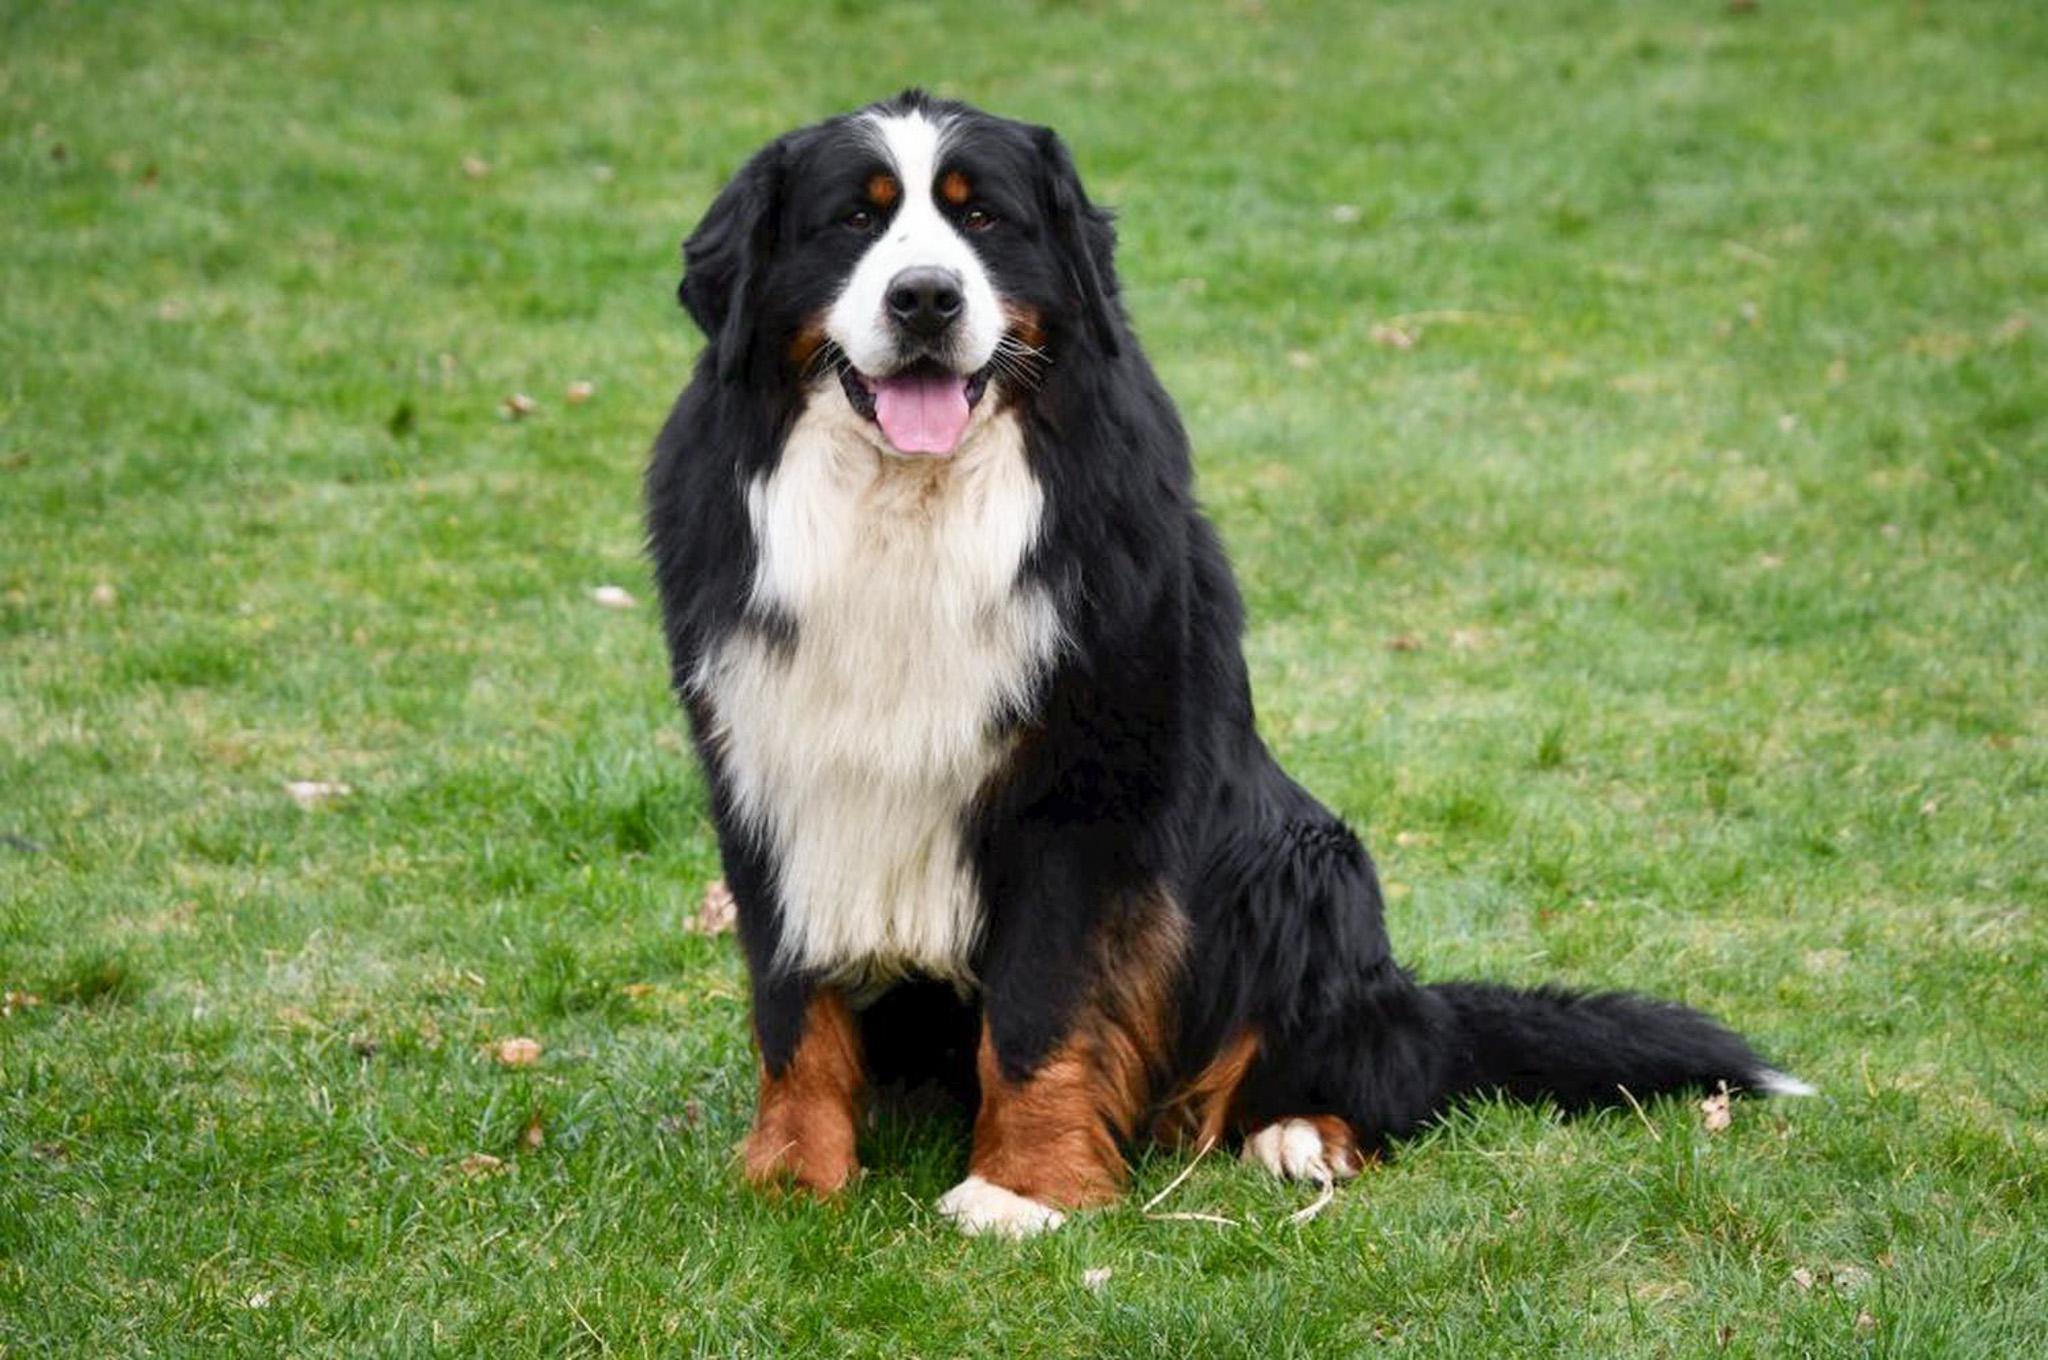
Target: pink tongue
(924, 414)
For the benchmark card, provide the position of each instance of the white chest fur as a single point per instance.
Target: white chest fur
(856, 756)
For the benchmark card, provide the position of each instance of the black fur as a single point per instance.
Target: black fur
(1139, 765)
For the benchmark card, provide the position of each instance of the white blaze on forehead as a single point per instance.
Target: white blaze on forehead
(919, 235)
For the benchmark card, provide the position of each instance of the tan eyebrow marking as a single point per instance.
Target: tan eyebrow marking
(883, 189)
(954, 188)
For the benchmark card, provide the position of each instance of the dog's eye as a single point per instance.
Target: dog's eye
(978, 219)
(860, 219)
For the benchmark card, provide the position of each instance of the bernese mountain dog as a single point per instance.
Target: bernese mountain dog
(961, 658)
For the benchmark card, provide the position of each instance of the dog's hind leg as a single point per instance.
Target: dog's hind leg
(1316, 1147)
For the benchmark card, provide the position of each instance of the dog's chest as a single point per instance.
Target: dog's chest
(856, 753)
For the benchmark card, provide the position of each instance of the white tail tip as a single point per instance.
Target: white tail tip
(1772, 1082)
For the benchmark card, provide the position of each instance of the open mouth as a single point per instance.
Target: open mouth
(922, 408)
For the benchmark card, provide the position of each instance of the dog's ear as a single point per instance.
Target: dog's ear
(1085, 237)
(726, 255)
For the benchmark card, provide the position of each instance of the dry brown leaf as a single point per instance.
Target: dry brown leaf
(532, 1137)
(1715, 1114)
(715, 914)
(579, 392)
(1468, 639)
(1404, 642)
(518, 406)
(1393, 337)
(637, 990)
(481, 1164)
(517, 1052)
(311, 793)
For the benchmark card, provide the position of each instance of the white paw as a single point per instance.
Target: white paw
(976, 1206)
(1293, 1149)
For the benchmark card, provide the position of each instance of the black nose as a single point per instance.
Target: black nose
(925, 301)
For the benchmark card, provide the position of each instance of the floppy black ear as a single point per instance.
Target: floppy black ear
(726, 254)
(1086, 240)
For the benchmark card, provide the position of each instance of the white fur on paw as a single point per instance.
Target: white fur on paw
(977, 1206)
(1293, 1149)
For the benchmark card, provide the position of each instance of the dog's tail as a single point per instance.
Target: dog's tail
(1581, 1051)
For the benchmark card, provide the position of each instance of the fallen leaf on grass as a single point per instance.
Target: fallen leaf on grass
(579, 392)
(612, 597)
(1393, 337)
(1659, 1291)
(311, 793)
(518, 406)
(480, 1164)
(1404, 642)
(715, 914)
(533, 1136)
(1714, 1112)
(1864, 1321)
(638, 990)
(1843, 1277)
(476, 167)
(11, 1002)
(517, 1052)
(103, 594)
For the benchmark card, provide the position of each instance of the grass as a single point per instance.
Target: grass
(1670, 614)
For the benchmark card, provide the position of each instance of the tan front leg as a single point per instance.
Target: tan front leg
(805, 1121)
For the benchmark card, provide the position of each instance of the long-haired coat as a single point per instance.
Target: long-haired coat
(961, 658)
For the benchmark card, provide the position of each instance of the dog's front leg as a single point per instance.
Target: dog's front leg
(812, 1079)
(1072, 1039)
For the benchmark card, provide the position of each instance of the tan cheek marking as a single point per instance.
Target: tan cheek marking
(804, 345)
(1025, 323)
(804, 1123)
(883, 190)
(954, 188)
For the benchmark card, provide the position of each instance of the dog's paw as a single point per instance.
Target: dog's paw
(1319, 1148)
(976, 1207)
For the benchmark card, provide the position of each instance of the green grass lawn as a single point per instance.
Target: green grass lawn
(1629, 423)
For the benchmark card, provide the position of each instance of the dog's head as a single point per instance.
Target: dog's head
(913, 254)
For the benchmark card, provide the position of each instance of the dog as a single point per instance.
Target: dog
(961, 660)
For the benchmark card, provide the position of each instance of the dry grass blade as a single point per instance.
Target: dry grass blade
(1324, 1196)
(1185, 1172)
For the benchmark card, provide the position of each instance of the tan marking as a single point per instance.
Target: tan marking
(1025, 323)
(1198, 1114)
(806, 343)
(954, 188)
(804, 1123)
(883, 190)
(1053, 1136)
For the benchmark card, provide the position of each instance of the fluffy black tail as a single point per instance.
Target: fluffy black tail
(1580, 1050)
